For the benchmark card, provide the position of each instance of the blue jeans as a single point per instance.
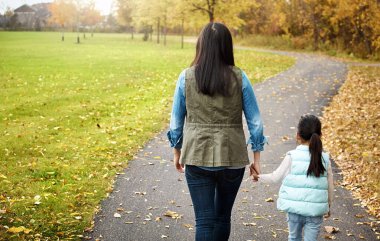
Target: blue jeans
(310, 225)
(213, 194)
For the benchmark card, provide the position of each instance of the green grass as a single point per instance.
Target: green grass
(299, 44)
(72, 115)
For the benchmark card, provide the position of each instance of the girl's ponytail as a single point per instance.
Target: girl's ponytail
(315, 147)
(309, 129)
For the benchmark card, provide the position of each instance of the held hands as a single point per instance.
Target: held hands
(177, 155)
(254, 172)
(254, 168)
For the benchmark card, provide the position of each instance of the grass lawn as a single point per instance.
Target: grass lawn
(72, 115)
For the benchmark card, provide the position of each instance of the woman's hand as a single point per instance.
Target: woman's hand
(177, 155)
(254, 172)
(254, 168)
(255, 176)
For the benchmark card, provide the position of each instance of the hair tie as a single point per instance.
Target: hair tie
(213, 27)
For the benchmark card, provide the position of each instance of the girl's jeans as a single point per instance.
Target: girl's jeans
(213, 194)
(310, 225)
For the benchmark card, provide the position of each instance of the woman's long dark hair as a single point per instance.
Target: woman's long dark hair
(213, 60)
(309, 129)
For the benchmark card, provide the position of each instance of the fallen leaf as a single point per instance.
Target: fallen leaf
(189, 226)
(326, 236)
(117, 215)
(19, 230)
(249, 224)
(173, 215)
(269, 200)
(331, 229)
(285, 138)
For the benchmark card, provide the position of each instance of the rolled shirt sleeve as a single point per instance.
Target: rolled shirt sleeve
(252, 116)
(178, 114)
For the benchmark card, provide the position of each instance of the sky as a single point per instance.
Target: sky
(104, 6)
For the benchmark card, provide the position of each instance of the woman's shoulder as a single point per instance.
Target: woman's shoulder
(186, 71)
(237, 69)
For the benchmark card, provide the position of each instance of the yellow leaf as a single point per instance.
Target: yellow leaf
(331, 229)
(269, 200)
(19, 230)
(173, 215)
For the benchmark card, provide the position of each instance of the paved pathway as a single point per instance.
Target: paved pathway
(151, 186)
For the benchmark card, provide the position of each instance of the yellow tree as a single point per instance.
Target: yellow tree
(126, 14)
(63, 14)
(357, 24)
(90, 16)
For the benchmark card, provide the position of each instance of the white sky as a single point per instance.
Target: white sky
(104, 6)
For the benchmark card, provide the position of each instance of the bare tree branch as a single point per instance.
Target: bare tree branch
(200, 8)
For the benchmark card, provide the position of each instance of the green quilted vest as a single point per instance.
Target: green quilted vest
(213, 133)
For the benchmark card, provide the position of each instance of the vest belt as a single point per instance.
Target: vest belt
(214, 125)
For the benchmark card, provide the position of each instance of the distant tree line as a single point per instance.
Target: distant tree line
(348, 25)
(59, 14)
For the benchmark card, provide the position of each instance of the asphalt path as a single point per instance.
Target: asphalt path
(150, 187)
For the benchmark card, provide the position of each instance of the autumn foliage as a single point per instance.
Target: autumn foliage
(69, 13)
(334, 25)
(352, 135)
(350, 26)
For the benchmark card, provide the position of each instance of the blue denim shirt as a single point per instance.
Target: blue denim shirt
(250, 109)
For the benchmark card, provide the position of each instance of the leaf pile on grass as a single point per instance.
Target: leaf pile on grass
(352, 135)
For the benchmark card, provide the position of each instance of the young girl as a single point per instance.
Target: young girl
(307, 186)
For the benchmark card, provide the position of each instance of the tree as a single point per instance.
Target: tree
(63, 14)
(227, 11)
(125, 14)
(90, 16)
(7, 17)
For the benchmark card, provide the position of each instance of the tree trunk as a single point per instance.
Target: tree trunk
(211, 15)
(158, 30)
(132, 30)
(315, 30)
(165, 31)
(63, 36)
(151, 33)
(182, 32)
(316, 36)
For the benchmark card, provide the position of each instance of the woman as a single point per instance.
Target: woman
(212, 94)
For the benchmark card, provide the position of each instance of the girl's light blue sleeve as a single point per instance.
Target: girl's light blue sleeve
(252, 115)
(177, 120)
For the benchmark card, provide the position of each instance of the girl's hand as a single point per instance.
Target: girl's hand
(254, 168)
(254, 171)
(255, 177)
(177, 155)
